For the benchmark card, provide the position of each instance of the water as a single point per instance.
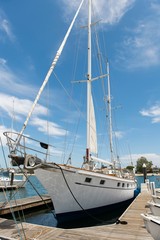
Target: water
(44, 217)
(152, 178)
(32, 188)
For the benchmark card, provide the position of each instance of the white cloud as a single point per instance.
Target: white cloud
(107, 11)
(8, 78)
(112, 13)
(141, 46)
(47, 127)
(2, 130)
(5, 28)
(17, 108)
(119, 134)
(152, 112)
(4, 147)
(2, 61)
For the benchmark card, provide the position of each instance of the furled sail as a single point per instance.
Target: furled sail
(93, 134)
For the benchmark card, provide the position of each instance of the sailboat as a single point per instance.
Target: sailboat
(154, 207)
(75, 191)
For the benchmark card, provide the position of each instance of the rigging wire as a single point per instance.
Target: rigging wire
(8, 200)
(74, 74)
(43, 200)
(99, 58)
(19, 214)
(100, 61)
(27, 179)
(70, 97)
(81, 97)
(14, 218)
(3, 152)
(20, 218)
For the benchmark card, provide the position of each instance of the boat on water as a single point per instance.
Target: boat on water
(8, 180)
(76, 191)
(156, 199)
(155, 208)
(152, 224)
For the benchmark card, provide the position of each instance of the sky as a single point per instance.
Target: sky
(31, 33)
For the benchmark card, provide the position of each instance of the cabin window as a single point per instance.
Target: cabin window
(118, 184)
(102, 181)
(127, 184)
(122, 184)
(88, 180)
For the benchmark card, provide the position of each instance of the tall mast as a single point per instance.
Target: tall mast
(88, 82)
(110, 117)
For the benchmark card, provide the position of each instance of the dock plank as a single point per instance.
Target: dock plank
(24, 204)
(133, 229)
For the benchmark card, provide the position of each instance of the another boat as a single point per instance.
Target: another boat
(76, 192)
(155, 208)
(152, 224)
(8, 180)
(158, 193)
(156, 199)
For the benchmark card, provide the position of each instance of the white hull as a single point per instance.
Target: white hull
(71, 193)
(152, 224)
(155, 208)
(156, 199)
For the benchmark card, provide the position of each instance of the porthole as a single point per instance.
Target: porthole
(88, 180)
(102, 182)
(118, 184)
(122, 184)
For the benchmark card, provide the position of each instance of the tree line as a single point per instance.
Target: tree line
(140, 166)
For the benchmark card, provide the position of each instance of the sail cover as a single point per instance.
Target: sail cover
(93, 134)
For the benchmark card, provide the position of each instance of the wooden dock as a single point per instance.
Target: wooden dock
(10, 187)
(25, 204)
(132, 227)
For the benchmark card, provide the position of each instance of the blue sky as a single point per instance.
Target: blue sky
(30, 34)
